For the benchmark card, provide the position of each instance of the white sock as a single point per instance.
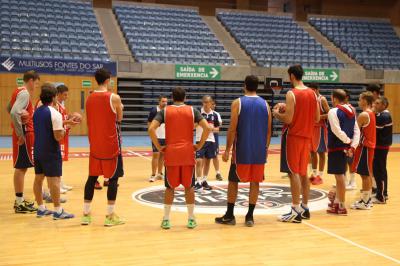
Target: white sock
(204, 179)
(199, 179)
(218, 172)
(366, 195)
(19, 199)
(297, 207)
(314, 172)
(42, 207)
(321, 173)
(58, 209)
(167, 210)
(110, 209)
(190, 208)
(305, 206)
(86, 208)
(336, 200)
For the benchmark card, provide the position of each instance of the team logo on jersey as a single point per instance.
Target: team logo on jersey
(8, 64)
(273, 198)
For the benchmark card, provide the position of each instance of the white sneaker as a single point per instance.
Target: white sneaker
(63, 190)
(152, 178)
(352, 185)
(361, 205)
(66, 187)
(160, 176)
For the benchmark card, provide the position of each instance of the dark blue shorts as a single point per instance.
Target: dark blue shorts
(209, 151)
(337, 162)
(48, 166)
(162, 143)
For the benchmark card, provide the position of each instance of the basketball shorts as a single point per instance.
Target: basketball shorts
(162, 143)
(50, 167)
(22, 154)
(64, 146)
(208, 151)
(320, 139)
(363, 161)
(295, 152)
(246, 173)
(337, 162)
(110, 168)
(179, 175)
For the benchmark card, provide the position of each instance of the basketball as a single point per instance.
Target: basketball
(24, 117)
(76, 117)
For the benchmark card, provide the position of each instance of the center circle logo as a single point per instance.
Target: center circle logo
(273, 198)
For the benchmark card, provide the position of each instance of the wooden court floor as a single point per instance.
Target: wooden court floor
(362, 238)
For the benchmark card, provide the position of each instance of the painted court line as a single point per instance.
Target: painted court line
(351, 242)
(348, 241)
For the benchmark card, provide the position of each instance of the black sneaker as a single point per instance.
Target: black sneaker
(249, 222)
(305, 213)
(24, 207)
(226, 220)
(218, 177)
(206, 186)
(198, 186)
(97, 186)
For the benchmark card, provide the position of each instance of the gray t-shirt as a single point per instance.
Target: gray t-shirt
(20, 103)
(197, 116)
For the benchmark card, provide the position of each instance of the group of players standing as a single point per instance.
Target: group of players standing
(40, 133)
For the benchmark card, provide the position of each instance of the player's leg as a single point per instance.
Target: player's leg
(200, 154)
(188, 180)
(234, 179)
(160, 166)
(54, 185)
(112, 218)
(206, 169)
(154, 165)
(337, 164)
(171, 180)
(384, 173)
(321, 165)
(351, 181)
(253, 197)
(88, 197)
(314, 165)
(378, 176)
(339, 206)
(218, 175)
(37, 191)
(364, 170)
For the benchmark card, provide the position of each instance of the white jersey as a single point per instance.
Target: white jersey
(212, 120)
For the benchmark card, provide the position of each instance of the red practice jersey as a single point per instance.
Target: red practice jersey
(179, 126)
(29, 108)
(322, 122)
(368, 132)
(303, 121)
(102, 121)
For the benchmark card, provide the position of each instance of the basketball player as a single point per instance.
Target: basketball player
(21, 111)
(320, 138)
(384, 139)
(157, 161)
(179, 120)
(375, 89)
(218, 175)
(351, 179)
(250, 134)
(343, 138)
(300, 113)
(49, 131)
(209, 150)
(104, 111)
(364, 154)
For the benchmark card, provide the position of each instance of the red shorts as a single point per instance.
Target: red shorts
(363, 161)
(22, 155)
(64, 145)
(295, 154)
(319, 140)
(110, 168)
(246, 173)
(177, 175)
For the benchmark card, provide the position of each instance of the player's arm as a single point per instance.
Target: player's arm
(269, 134)
(334, 124)
(217, 124)
(287, 116)
(356, 136)
(58, 128)
(117, 103)
(232, 129)
(325, 107)
(15, 112)
(363, 119)
(151, 116)
(317, 113)
(157, 121)
(204, 135)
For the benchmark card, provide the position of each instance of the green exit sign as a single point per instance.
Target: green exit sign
(321, 75)
(86, 83)
(198, 72)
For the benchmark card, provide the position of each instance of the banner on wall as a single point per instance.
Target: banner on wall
(54, 66)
